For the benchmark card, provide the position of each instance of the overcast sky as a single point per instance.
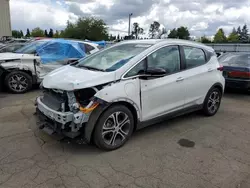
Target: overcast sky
(202, 17)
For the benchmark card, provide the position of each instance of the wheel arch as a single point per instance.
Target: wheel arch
(29, 72)
(96, 114)
(216, 85)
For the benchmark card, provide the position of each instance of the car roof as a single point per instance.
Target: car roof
(170, 41)
(73, 40)
(85, 42)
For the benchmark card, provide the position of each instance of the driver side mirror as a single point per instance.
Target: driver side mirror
(156, 71)
(153, 72)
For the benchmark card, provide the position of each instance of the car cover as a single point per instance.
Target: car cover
(58, 50)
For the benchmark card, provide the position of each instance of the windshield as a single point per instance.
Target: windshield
(30, 48)
(113, 58)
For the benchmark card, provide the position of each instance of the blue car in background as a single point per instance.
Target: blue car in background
(29, 64)
(236, 69)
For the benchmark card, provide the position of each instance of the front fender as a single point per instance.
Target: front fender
(17, 65)
(126, 91)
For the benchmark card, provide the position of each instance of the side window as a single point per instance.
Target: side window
(167, 58)
(194, 57)
(88, 48)
(139, 68)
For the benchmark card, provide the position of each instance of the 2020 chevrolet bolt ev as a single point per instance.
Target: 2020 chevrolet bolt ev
(106, 96)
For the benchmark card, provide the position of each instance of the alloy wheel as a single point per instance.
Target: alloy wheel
(116, 128)
(18, 82)
(213, 102)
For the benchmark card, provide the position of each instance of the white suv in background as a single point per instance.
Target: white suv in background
(105, 97)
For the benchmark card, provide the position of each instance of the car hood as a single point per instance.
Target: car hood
(9, 56)
(70, 78)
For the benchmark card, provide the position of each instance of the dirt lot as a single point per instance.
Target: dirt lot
(218, 156)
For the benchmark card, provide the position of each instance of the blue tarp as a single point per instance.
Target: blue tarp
(60, 49)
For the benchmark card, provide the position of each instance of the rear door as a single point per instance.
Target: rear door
(199, 75)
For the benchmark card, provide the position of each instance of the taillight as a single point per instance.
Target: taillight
(220, 68)
(238, 74)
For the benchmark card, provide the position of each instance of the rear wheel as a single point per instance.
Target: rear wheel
(212, 102)
(114, 128)
(18, 82)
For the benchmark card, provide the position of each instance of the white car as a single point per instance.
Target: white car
(110, 94)
(24, 67)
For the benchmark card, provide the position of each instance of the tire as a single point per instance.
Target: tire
(114, 136)
(18, 82)
(212, 102)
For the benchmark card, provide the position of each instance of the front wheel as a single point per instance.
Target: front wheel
(18, 82)
(212, 102)
(114, 128)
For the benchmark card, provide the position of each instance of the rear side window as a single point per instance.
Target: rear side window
(194, 57)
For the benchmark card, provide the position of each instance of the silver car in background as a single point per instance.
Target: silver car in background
(24, 67)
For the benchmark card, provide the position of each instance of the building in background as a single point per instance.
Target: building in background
(5, 24)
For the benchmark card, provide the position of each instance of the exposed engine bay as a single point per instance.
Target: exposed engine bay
(71, 109)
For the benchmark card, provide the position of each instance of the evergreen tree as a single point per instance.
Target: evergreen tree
(51, 33)
(220, 36)
(27, 33)
(233, 36)
(239, 32)
(37, 32)
(183, 33)
(45, 33)
(110, 37)
(173, 34)
(204, 39)
(21, 34)
(244, 34)
(57, 34)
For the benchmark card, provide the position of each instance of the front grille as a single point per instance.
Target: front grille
(54, 100)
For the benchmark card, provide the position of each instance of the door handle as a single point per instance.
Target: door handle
(210, 70)
(179, 79)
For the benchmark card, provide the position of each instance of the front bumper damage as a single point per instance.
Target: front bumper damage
(66, 123)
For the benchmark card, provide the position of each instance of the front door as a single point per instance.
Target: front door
(166, 94)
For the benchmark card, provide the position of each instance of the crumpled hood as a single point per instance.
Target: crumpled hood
(70, 78)
(9, 56)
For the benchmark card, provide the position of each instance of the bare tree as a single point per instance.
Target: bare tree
(137, 30)
(154, 29)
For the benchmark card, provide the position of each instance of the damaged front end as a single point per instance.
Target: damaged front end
(66, 112)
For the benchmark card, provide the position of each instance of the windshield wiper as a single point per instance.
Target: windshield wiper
(91, 68)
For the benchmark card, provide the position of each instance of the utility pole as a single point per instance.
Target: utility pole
(129, 18)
